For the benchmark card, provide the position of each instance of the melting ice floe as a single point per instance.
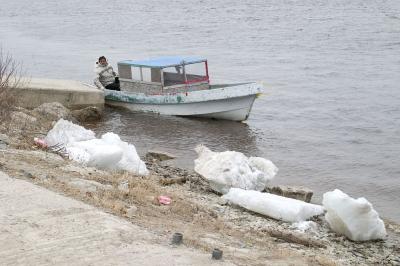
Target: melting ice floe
(229, 169)
(354, 218)
(108, 152)
(277, 207)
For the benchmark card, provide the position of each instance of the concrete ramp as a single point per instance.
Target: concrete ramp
(70, 93)
(40, 227)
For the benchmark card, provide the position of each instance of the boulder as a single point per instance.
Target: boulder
(22, 121)
(52, 111)
(299, 193)
(87, 114)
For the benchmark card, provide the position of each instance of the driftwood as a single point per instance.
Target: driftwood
(295, 238)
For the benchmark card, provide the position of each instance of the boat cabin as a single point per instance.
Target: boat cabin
(164, 75)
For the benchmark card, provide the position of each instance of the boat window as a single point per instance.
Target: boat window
(146, 74)
(173, 75)
(136, 73)
(196, 72)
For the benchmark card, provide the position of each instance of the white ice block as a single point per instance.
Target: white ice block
(109, 152)
(65, 132)
(228, 169)
(277, 207)
(101, 154)
(354, 218)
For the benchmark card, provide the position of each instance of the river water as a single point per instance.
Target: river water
(330, 115)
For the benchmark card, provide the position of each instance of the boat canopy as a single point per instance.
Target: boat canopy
(164, 62)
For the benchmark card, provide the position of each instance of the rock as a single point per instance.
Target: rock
(27, 174)
(88, 185)
(299, 193)
(159, 155)
(168, 180)
(222, 201)
(152, 199)
(131, 211)
(52, 111)
(22, 121)
(90, 113)
(4, 141)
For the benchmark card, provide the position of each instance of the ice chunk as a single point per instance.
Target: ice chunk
(229, 169)
(108, 152)
(266, 166)
(354, 218)
(79, 155)
(101, 154)
(65, 132)
(130, 160)
(305, 226)
(280, 208)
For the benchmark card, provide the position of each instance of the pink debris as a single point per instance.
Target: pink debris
(165, 200)
(40, 143)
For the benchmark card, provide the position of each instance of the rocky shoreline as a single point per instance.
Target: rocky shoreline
(206, 221)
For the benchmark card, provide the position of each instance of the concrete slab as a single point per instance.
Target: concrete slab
(70, 93)
(40, 227)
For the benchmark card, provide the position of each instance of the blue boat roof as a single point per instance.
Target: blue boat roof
(162, 62)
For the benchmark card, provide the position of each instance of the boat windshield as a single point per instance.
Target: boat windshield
(166, 76)
(185, 74)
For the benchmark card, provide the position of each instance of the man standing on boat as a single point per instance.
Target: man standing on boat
(106, 78)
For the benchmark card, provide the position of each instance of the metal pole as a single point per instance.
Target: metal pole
(208, 78)
(184, 73)
(162, 78)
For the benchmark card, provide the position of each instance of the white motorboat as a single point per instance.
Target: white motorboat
(180, 86)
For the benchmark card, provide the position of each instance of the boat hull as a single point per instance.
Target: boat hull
(229, 103)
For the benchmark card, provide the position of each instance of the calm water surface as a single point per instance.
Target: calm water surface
(330, 116)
